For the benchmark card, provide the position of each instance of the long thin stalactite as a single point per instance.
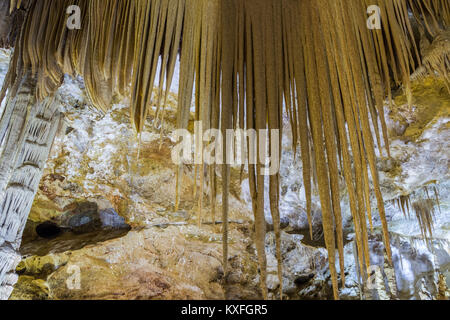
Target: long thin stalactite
(248, 63)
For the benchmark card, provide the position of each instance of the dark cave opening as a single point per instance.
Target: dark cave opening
(48, 230)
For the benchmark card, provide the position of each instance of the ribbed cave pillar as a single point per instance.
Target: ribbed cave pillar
(27, 131)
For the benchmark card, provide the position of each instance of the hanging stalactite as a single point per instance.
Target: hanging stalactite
(424, 209)
(248, 62)
(37, 133)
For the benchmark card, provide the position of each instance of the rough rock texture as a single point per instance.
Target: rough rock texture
(171, 262)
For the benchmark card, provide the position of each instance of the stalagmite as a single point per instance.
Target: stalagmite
(424, 209)
(27, 166)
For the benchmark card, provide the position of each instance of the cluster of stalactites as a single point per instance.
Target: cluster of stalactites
(15, 4)
(435, 57)
(424, 209)
(245, 60)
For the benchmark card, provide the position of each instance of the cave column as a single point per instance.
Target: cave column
(32, 128)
